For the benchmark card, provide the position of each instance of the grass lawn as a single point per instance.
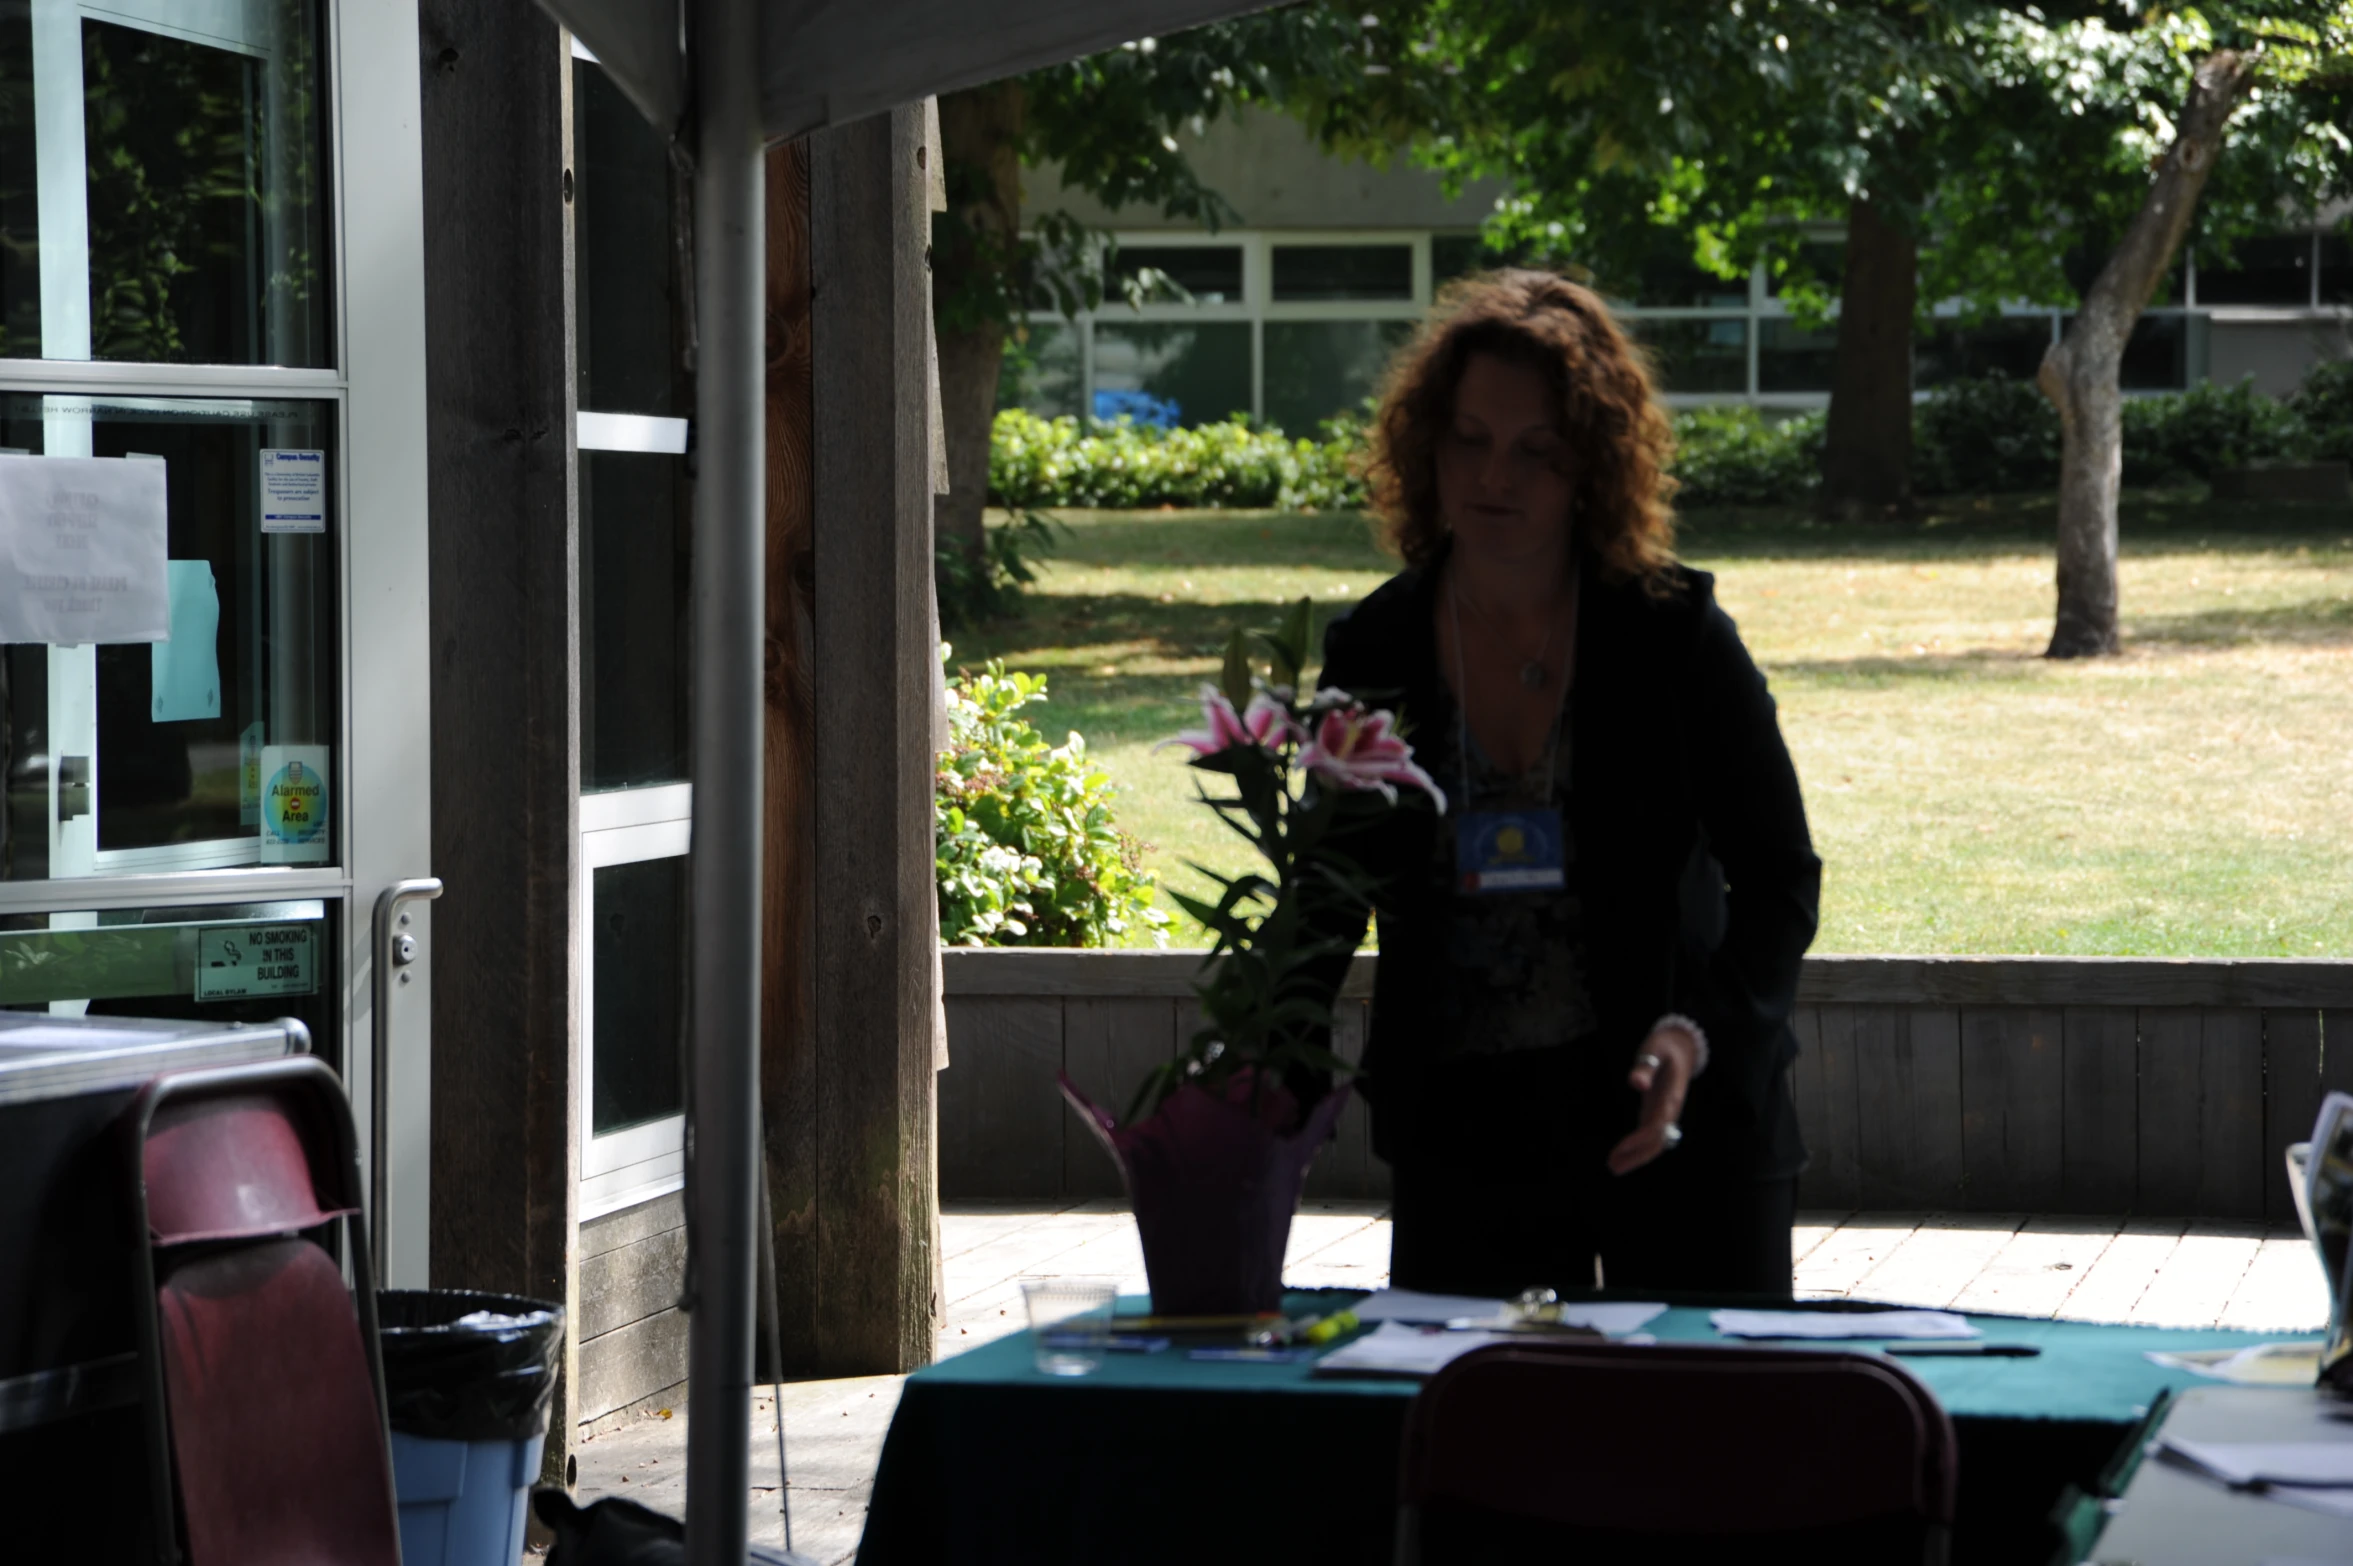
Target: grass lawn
(2193, 797)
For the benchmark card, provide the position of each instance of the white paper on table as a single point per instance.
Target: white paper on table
(1614, 1318)
(2257, 1365)
(82, 545)
(2323, 1464)
(1395, 1349)
(1470, 1311)
(1841, 1324)
(1413, 1305)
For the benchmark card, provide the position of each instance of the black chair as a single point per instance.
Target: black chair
(1672, 1453)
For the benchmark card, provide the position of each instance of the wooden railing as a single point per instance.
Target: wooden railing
(1989, 1084)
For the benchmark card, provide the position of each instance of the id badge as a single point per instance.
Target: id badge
(1509, 851)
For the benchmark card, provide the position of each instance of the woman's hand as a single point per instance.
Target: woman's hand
(1662, 1087)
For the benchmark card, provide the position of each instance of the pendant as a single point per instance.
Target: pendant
(1532, 675)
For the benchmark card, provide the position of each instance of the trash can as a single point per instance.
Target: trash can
(468, 1379)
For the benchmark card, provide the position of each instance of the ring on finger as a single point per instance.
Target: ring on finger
(1647, 1058)
(1672, 1137)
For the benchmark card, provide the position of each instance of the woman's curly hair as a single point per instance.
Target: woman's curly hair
(1618, 439)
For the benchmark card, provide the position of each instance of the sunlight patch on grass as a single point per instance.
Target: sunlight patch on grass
(2193, 797)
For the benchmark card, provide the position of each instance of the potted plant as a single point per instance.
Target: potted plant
(1217, 1142)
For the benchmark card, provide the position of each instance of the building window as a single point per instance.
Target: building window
(1315, 369)
(2272, 270)
(1316, 274)
(1202, 274)
(1293, 330)
(636, 809)
(1696, 354)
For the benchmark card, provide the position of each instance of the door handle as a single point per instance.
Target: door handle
(391, 946)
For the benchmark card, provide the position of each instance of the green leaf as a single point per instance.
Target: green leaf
(1234, 677)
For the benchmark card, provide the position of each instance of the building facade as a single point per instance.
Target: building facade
(1290, 315)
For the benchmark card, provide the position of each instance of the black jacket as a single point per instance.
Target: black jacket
(1699, 883)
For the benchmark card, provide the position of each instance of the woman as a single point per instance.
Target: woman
(1580, 1031)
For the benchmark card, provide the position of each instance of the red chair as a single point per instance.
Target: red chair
(1674, 1453)
(266, 1431)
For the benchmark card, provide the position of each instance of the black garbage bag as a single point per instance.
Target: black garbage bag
(468, 1367)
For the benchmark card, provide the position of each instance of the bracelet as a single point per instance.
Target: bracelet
(1699, 1038)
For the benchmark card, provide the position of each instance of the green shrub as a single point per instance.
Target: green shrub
(1027, 853)
(2207, 428)
(1989, 433)
(1735, 456)
(972, 594)
(2324, 406)
(1060, 462)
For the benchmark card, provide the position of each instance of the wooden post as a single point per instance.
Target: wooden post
(788, 1053)
(505, 668)
(851, 1100)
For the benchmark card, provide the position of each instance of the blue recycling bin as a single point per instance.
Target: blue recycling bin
(468, 1379)
(463, 1503)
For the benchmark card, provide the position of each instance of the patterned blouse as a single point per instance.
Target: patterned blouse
(1518, 958)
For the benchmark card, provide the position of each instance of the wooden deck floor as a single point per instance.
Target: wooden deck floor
(2152, 1271)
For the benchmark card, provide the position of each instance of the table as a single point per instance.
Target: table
(1161, 1458)
(2168, 1515)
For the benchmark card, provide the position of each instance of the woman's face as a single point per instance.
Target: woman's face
(1503, 470)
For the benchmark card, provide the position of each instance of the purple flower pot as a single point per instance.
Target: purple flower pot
(1214, 1187)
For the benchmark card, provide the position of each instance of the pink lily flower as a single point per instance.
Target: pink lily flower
(1264, 723)
(1354, 749)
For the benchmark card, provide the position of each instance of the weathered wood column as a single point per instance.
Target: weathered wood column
(505, 670)
(788, 1040)
(848, 1078)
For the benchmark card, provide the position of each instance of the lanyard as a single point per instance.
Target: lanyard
(1462, 686)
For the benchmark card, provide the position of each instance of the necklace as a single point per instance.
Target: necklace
(1533, 674)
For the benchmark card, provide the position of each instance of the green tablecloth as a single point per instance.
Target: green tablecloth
(1161, 1458)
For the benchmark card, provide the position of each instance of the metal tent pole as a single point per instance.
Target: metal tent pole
(729, 562)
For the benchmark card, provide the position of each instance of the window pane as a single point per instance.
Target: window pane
(1204, 370)
(1316, 369)
(1793, 360)
(626, 296)
(1695, 355)
(1212, 274)
(640, 998)
(1459, 255)
(1821, 261)
(2010, 345)
(2156, 356)
(1674, 282)
(1312, 272)
(195, 173)
(2276, 270)
(633, 619)
(2336, 269)
(1041, 370)
(233, 962)
(162, 755)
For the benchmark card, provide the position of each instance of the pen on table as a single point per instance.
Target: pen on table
(1963, 1350)
(1329, 1327)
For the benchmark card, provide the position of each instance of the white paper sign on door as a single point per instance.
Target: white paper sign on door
(293, 490)
(294, 804)
(82, 547)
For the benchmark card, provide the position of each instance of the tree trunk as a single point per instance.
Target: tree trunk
(1867, 448)
(2080, 372)
(972, 260)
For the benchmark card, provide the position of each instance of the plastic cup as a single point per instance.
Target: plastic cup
(1069, 1324)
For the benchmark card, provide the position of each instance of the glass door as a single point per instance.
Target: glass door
(190, 815)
